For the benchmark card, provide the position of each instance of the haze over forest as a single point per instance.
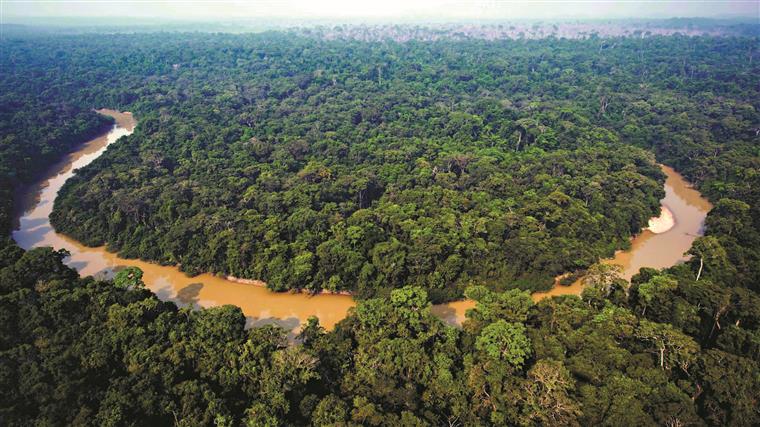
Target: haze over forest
(371, 10)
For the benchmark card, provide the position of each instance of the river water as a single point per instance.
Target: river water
(259, 304)
(662, 245)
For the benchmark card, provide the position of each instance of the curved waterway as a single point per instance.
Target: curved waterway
(660, 245)
(259, 304)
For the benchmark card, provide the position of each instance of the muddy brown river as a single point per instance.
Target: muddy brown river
(662, 245)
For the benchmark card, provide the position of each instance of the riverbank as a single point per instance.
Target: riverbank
(260, 305)
(660, 245)
(263, 284)
(24, 196)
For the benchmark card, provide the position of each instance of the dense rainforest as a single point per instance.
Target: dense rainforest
(407, 173)
(352, 166)
(672, 351)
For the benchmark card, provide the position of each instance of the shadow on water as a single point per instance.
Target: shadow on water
(34, 237)
(33, 222)
(104, 274)
(107, 273)
(189, 294)
(290, 324)
(79, 265)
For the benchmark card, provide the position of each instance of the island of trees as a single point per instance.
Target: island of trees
(407, 173)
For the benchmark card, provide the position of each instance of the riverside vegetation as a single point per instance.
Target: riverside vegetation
(403, 172)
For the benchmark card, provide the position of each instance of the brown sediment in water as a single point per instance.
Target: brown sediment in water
(260, 305)
(290, 310)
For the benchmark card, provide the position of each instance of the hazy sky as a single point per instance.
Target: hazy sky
(381, 9)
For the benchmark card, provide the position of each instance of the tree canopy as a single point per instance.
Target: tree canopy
(409, 173)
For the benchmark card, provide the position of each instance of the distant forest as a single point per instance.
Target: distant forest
(407, 173)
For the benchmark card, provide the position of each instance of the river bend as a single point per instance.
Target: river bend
(661, 245)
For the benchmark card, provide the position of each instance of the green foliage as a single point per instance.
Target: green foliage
(129, 278)
(35, 133)
(405, 172)
(331, 411)
(119, 354)
(601, 282)
(309, 173)
(656, 293)
(512, 305)
(674, 349)
(731, 385)
(504, 341)
(547, 396)
(712, 258)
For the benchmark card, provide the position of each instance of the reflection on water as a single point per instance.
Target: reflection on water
(660, 246)
(258, 304)
(454, 312)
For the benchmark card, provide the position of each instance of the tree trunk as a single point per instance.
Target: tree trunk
(662, 357)
(701, 264)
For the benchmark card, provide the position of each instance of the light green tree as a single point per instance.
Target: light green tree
(129, 278)
(673, 348)
(505, 341)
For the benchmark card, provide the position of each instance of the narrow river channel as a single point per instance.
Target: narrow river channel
(662, 249)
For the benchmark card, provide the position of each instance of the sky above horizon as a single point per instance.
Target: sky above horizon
(378, 9)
